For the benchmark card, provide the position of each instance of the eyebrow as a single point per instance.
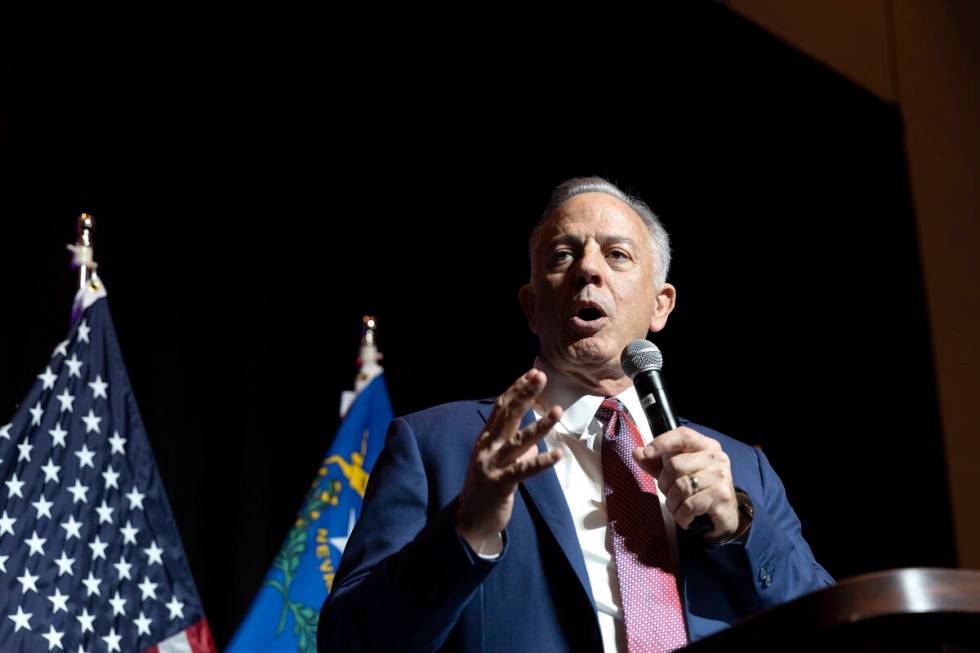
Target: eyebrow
(603, 240)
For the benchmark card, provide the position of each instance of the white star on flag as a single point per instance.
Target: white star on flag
(118, 443)
(43, 507)
(58, 435)
(112, 641)
(62, 348)
(176, 608)
(78, 492)
(3, 563)
(118, 604)
(83, 331)
(135, 499)
(105, 512)
(111, 477)
(54, 638)
(48, 378)
(98, 548)
(27, 582)
(51, 471)
(5, 431)
(85, 457)
(25, 451)
(142, 625)
(7, 523)
(67, 401)
(13, 487)
(91, 422)
(36, 544)
(64, 565)
(85, 621)
(129, 533)
(72, 527)
(36, 414)
(154, 553)
(92, 584)
(59, 601)
(98, 387)
(341, 542)
(74, 366)
(21, 619)
(148, 588)
(122, 568)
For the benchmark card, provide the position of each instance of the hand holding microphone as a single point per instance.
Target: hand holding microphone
(691, 469)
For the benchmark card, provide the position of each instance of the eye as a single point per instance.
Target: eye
(618, 254)
(561, 256)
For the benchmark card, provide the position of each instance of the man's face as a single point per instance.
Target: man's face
(592, 286)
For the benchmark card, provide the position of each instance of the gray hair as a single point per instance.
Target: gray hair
(659, 240)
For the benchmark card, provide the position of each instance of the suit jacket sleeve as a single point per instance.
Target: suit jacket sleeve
(775, 564)
(406, 574)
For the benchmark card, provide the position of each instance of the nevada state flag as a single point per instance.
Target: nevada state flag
(284, 615)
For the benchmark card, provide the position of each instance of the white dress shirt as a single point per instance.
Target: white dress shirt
(578, 435)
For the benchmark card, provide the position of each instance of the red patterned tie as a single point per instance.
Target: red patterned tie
(647, 582)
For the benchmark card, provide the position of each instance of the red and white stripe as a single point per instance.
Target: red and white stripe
(196, 639)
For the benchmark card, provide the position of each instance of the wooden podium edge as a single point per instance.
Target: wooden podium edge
(891, 593)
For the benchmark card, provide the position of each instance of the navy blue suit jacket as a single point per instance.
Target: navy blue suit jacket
(408, 582)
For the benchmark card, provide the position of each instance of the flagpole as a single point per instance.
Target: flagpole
(368, 365)
(83, 253)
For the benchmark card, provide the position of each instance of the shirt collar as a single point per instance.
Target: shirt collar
(580, 409)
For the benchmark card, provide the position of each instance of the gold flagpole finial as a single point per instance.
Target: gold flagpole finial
(369, 324)
(85, 224)
(367, 363)
(369, 358)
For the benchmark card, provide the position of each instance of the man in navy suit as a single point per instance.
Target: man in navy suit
(512, 525)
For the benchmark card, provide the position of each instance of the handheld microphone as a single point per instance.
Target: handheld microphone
(642, 362)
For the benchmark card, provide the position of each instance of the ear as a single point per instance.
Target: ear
(526, 297)
(666, 296)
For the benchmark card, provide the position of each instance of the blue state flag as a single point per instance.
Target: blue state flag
(283, 617)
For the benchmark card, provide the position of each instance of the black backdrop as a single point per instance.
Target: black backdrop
(255, 199)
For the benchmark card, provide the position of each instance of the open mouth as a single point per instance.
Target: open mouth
(588, 318)
(589, 313)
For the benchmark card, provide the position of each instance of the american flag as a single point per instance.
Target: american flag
(90, 558)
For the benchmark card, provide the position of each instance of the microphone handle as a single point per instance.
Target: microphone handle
(656, 404)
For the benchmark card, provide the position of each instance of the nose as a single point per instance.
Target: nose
(590, 268)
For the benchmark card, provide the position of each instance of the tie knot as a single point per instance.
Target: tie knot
(610, 406)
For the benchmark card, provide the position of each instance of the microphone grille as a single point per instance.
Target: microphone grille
(641, 355)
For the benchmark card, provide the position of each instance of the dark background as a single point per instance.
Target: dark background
(254, 200)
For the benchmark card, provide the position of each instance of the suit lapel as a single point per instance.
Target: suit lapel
(544, 492)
